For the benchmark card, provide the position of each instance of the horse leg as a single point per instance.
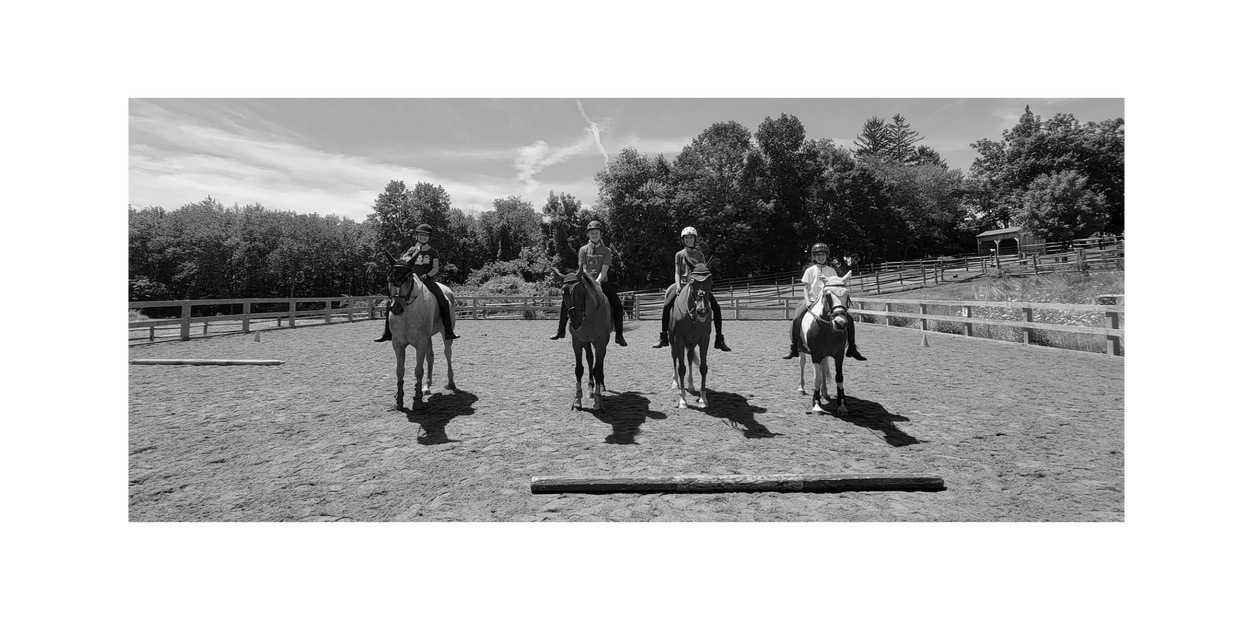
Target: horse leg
(819, 385)
(601, 352)
(801, 387)
(447, 355)
(690, 354)
(839, 382)
(400, 374)
(420, 355)
(430, 363)
(702, 369)
(579, 369)
(589, 363)
(679, 351)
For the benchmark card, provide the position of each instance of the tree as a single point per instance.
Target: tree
(1034, 148)
(900, 141)
(1060, 207)
(561, 229)
(636, 206)
(873, 139)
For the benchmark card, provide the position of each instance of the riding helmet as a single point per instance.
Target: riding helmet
(689, 230)
(425, 228)
(595, 225)
(819, 247)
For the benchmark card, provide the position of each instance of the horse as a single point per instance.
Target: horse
(589, 322)
(824, 335)
(689, 327)
(414, 318)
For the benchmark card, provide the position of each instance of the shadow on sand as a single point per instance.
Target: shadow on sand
(625, 412)
(434, 415)
(737, 411)
(875, 417)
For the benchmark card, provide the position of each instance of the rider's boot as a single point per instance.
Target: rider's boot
(854, 353)
(720, 344)
(387, 329)
(662, 341)
(852, 342)
(792, 351)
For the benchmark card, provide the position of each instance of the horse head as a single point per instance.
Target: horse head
(835, 291)
(402, 284)
(576, 292)
(694, 295)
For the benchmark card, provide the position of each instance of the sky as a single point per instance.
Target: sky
(334, 156)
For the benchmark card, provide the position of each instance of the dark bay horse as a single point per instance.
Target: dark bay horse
(824, 335)
(589, 322)
(688, 328)
(413, 320)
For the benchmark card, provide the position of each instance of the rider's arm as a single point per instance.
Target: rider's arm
(676, 272)
(602, 274)
(434, 267)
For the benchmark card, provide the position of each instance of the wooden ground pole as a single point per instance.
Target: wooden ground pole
(781, 483)
(191, 362)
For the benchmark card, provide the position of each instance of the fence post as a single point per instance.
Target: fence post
(1028, 319)
(185, 312)
(968, 314)
(924, 323)
(922, 265)
(736, 310)
(327, 312)
(292, 312)
(350, 302)
(1112, 341)
(474, 302)
(152, 333)
(878, 290)
(370, 307)
(786, 316)
(887, 319)
(1035, 264)
(245, 317)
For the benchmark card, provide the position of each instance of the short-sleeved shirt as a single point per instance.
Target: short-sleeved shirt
(814, 282)
(421, 259)
(593, 257)
(685, 260)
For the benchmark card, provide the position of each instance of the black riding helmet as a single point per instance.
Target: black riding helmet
(425, 228)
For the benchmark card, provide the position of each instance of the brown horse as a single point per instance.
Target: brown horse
(688, 328)
(589, 322)
(413, 320)
(824, 335)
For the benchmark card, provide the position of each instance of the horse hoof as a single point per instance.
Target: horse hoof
(818, 409)
(682, 405)
(802, 391)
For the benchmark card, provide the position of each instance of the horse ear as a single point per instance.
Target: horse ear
(391, 261)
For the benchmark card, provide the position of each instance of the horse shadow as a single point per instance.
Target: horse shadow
(737, 411)
(626, 412)
(434, 415)
(875, 417)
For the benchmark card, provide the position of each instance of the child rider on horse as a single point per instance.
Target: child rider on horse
(685, 260)
(813, 278)
(595, 258)
(425, 262)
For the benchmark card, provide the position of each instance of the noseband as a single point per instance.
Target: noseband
(393, 273)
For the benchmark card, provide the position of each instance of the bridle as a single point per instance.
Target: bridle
(393, 273)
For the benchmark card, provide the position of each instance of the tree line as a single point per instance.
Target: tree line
(759, 199)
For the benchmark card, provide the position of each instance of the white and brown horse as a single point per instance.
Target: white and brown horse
(824, 335)
(414, 318)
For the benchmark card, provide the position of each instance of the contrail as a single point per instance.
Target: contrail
(594, 128)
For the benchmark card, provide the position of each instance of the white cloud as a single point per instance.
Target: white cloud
(174, 161)
(532, 159)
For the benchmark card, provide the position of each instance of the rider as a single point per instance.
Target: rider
(685, 261)
(595, 258)
(813, 279)
(425, 262)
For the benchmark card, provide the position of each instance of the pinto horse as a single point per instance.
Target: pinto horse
(589, 322)
(688, 327)
(824, 335)
(413, 320)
